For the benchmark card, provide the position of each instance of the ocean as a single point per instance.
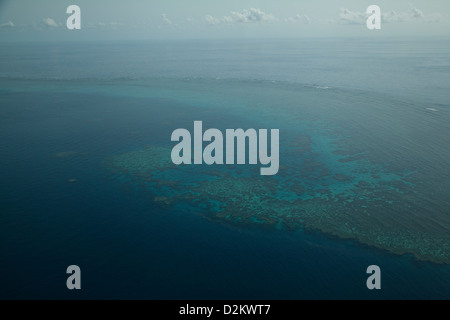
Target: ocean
(87, 180)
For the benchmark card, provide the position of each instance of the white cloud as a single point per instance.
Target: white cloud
(227, 19)
(416, 13)
(303, 18)
(49, 22)
(251, 15)
(211, 20)
(165, 19)
(413, 15)
(8, 24)
(352, 17)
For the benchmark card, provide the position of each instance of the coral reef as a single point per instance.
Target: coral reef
(366, 204)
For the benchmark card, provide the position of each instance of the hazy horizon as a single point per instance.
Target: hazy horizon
(134, 20)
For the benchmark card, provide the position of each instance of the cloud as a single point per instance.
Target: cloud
(303, 18)
(413, 15)
(352, 17)
(8, 24)
(109, 25)
(227, 19)
(49, 22)
(165, 19)
(416, 13)
(252, 15)
(211, 20)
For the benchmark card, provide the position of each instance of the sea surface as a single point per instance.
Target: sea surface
(364, 179)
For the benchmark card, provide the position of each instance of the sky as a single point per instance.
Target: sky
(45, 20)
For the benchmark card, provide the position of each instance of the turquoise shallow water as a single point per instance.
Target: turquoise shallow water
(363, 178)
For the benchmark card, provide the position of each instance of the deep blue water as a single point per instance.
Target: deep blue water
(99, 100)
